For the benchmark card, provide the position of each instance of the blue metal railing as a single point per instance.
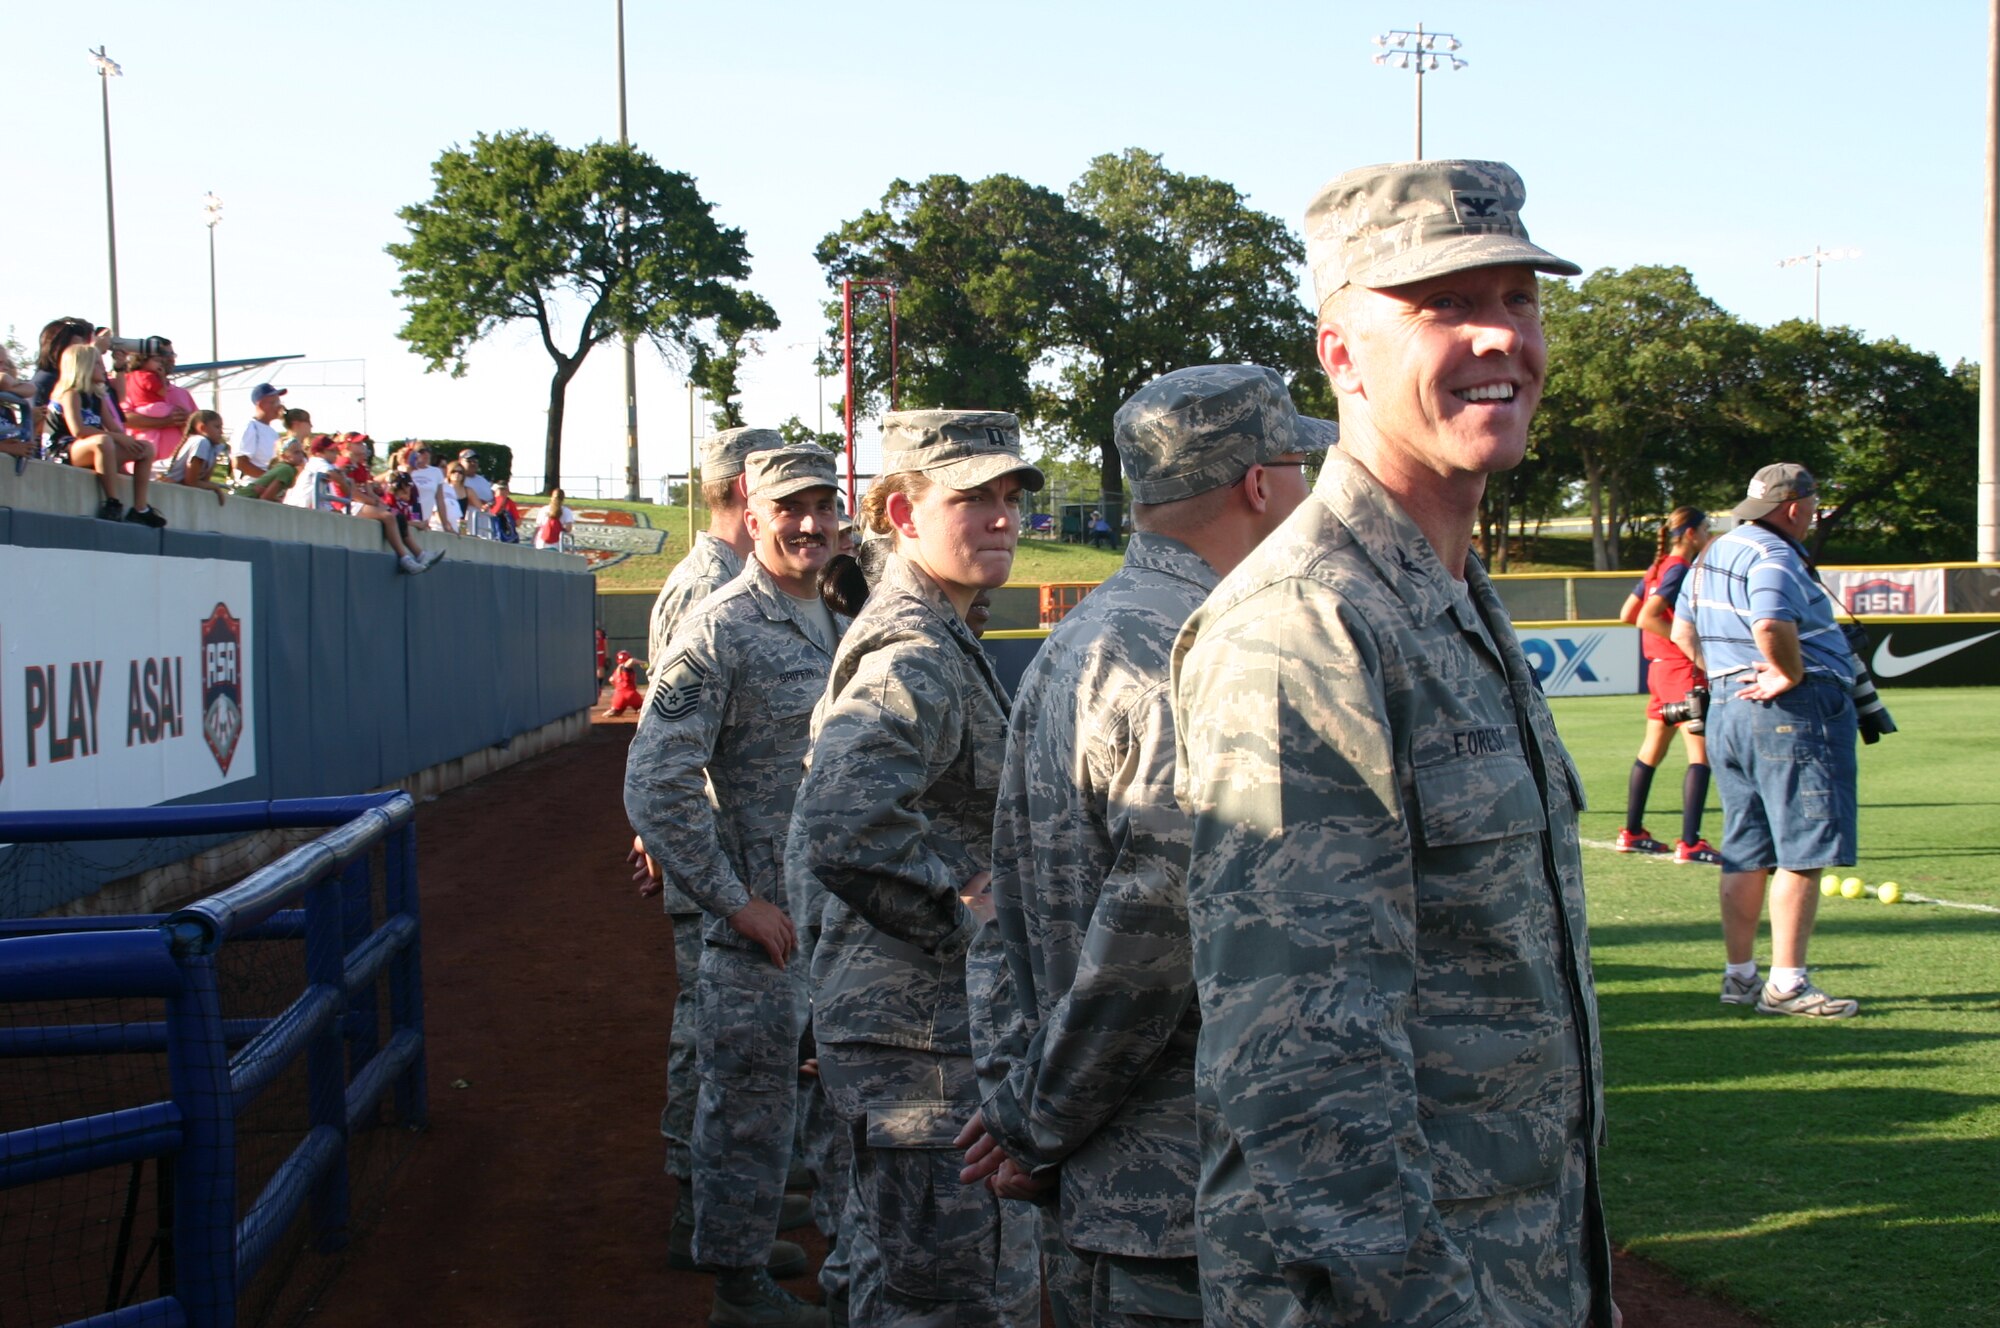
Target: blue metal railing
(319, 893)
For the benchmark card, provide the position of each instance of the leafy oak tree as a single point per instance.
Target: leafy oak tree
(1649, 393)
(588, 245)
(1181, 271)
(982, 268)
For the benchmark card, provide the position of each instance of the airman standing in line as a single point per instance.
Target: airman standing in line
(1398, 1060)
(709, 785)
(894, 822)
(715, 560)
(1089, 1038)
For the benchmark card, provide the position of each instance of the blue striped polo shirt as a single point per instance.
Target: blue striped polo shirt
(1754, 574)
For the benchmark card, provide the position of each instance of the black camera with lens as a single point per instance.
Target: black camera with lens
(1870, 715)
(1690, 713)
(146, 347)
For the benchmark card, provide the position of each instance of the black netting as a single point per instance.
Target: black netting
(79, 1245)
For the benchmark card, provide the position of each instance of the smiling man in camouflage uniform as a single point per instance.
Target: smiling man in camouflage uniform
(733, 702)
(1398, 1058)
(714, 561)
(1089, 1037)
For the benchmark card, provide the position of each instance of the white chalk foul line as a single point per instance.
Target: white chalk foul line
(1667, 859)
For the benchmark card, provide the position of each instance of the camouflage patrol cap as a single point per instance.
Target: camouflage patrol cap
(723, 453)
(960, 449)
(1198, 429)
(783, 471)
(1383, 226)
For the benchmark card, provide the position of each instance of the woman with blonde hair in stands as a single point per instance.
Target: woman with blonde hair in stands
(1669, 676)
(78, 398)
(888, 861)
(554, 523)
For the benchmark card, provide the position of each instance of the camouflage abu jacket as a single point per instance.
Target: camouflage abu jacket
(1087, 1048)
(709, 566)
(1399, 1040)
(895, 814)
(733, 703)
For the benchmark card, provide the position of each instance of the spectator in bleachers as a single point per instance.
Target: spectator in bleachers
(399, 524)
(57, 337)
(274, 483)
(316, 487)
(506, 514)
(17, 417)
(157, 409)
(481, 507)
(297, 423)
(461, 497)
(554, 522)
(257, 445)
(434, 507)
(202, 457)
(79, 403)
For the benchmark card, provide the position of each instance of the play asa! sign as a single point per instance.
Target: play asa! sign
(125, 680)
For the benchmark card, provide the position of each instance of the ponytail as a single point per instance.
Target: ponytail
(1679, 522)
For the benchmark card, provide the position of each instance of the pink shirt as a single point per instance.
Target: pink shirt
(165, 441)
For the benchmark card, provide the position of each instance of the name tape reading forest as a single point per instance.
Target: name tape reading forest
(124, 681)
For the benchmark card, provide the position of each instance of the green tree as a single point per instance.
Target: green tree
(1890, 430)
(587, 244)
(981, 270)
(1649, 391)
(1181, 271)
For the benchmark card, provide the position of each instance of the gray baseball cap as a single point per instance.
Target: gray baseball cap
(1383, 226)
(784, 471)
(723, 453)
(1198, 429)
(960, 449)
(1773, 487)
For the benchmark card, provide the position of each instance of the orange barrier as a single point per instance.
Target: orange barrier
(1058, 598)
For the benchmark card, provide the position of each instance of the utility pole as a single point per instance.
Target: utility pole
(1989, 341)
(631, 359)
(1418, 50)
(1819, 258)
(211, 208)
(108, 69)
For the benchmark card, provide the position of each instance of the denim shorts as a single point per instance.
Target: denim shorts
(1786, 772)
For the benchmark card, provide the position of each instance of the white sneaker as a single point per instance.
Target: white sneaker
(408, 565)
(1741, 991)
(431, 558)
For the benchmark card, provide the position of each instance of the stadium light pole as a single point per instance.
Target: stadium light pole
(1415, 49)
(211, 210)
(1819, 258)
(631, 354)
(1989, 341)
(108, 69)
(847, 285)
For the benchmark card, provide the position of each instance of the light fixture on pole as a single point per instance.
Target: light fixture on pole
(107, 69)
(1819, 258)
(211, 211)
(1423, 52)
(631, 358)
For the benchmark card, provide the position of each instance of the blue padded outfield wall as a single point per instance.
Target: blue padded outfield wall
(359, 676)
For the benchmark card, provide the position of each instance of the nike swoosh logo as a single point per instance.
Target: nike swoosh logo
(1891, 665)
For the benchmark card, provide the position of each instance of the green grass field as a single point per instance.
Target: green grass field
(1821, 1174)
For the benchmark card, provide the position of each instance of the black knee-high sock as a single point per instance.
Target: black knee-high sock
(1637, 789)
(1694, 793)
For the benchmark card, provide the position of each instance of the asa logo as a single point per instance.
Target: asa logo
(222, 684)
(1560, 660)
(1881, 596)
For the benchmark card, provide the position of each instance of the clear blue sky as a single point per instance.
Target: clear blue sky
(1723, 137)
